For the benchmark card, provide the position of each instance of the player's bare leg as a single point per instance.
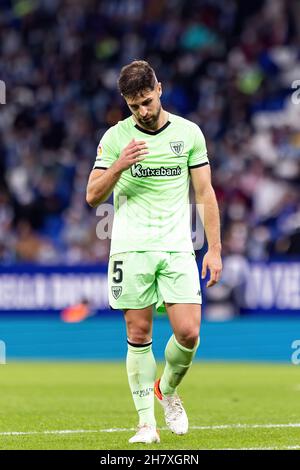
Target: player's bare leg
(141, 371)
(185, 320)
(180, 350)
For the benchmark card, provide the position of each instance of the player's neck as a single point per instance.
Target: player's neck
(162, 120)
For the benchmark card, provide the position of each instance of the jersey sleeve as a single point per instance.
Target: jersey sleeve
(198, 153)
(107, 151)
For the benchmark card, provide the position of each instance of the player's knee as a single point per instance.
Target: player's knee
(139, 333)
(139, 337)
(188, 337)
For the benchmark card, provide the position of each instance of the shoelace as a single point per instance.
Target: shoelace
(175, 407)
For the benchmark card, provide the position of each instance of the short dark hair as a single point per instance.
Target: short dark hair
(136, 78)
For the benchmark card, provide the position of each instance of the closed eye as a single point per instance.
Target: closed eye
(144, 103)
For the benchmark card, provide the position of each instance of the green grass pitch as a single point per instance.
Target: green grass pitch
(230, 405)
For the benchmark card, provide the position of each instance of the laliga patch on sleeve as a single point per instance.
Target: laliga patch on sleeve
(99, 151)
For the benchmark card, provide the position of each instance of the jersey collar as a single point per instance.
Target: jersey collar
(158, 131)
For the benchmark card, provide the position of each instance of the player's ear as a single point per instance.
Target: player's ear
(159, 89)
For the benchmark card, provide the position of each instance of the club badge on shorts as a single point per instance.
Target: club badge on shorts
(116, 291)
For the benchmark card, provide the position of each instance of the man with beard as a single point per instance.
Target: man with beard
(148, 160)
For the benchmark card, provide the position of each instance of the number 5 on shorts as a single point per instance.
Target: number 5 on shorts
(118, 272)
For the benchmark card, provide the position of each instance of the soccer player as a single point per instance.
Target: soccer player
(148, 161)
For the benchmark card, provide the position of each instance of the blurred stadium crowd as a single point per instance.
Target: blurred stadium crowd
(227, 65)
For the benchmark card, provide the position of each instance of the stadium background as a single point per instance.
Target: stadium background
(230, 67)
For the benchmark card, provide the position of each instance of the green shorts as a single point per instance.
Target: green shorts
(137, 279)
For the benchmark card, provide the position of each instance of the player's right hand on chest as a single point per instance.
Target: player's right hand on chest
(134, 152)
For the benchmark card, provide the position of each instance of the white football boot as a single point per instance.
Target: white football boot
(146, 434)
(175, 415)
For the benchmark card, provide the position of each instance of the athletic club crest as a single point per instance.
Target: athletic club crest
(177, 147)
(116, 291)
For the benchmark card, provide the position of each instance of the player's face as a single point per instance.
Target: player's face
(146, 108)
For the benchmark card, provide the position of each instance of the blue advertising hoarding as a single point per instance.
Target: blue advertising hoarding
(253, 288)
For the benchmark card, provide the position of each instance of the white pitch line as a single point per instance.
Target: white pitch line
(64, 431)
(198, 428)
(246, 426)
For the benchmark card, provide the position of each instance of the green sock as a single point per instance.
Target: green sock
(178, 362)
(141, 371)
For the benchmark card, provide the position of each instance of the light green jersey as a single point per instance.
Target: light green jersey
(151, 199)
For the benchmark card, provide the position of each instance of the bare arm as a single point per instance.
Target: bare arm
(101, 183)
(209, 213)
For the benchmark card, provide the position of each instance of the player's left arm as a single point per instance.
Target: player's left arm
(209, 212)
